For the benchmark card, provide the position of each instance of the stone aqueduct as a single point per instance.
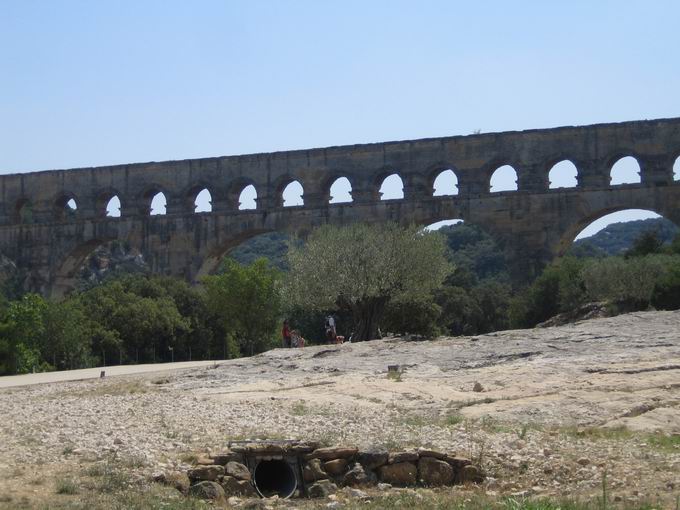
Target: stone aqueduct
(534, 223)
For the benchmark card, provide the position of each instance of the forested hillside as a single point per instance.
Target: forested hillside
(616, 238)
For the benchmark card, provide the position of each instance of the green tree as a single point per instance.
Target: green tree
(247, 300)
(361, 267)
(647, 243)
(22, 334)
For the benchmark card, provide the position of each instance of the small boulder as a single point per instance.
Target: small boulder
(205, 473)
(322, 489)
(434, 472)
(470, 474)
(335, 467)
(207, 490)
(234, 487)
(359, 477)
(478, 388)
(313, 471)
(583, 461)
(372, 459)
(397, 457)
(402, 473)
(237, 470)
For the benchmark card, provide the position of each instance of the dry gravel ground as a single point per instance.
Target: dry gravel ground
(558, 408)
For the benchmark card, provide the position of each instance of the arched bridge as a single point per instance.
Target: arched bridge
(535, 223)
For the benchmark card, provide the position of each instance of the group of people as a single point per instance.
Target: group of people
(293, 338)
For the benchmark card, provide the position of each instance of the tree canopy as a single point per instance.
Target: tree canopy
(362, 267)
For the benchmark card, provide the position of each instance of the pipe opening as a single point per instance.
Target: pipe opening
(275, 478)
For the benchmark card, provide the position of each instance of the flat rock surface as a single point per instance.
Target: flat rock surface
(544, 391)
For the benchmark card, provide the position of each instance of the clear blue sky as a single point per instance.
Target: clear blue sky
(93, 83)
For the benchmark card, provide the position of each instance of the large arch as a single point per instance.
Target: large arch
(579, 228)
(66, 274)
(213, 258)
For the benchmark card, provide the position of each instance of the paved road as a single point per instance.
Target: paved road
(92, 373)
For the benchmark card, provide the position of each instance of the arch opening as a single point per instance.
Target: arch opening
(392, 188)
(65, 207)
(158, 204)
(563, 174)
(445, 184)
(626, 170)
(113, 207)
(340, 191)
(203, 201)
(247, 199)
(292, 194)
(504, 178)
(676, 169)
(615, 232)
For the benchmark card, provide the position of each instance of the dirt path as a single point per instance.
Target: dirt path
(94, 373)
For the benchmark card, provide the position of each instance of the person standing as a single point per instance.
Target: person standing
(331, 333)
(285, 333)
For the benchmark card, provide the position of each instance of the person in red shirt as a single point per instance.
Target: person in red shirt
(285, 332)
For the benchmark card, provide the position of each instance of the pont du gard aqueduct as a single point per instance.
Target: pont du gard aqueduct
(49, 242)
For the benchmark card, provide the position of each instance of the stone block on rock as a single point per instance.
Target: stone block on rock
(335, 467)
(424, 452)
(205, 473)
(401, 473)
(397, 457)
(434, 472)
(332, 453)
(372, 459)
(237, 470)
(225, 456)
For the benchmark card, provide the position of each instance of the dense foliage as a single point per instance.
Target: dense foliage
(401, 280)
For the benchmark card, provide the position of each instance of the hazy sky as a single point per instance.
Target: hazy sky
(93, 83)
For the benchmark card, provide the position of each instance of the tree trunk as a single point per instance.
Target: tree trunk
(367, 314)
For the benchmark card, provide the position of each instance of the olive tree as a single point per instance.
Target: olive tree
(362, 267)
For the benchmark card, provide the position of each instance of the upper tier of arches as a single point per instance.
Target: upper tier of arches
(320, 188)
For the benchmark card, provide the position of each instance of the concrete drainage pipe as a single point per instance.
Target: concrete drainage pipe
(275, 478)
